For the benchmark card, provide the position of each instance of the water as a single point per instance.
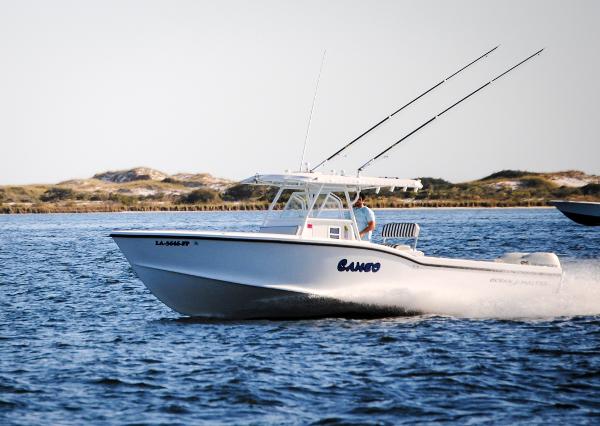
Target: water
(82, 341)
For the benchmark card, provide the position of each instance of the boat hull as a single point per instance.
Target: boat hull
(196, 296)
(227, 275)
(584, 213)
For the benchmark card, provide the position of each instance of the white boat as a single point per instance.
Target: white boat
(307, 259)
(582, 212)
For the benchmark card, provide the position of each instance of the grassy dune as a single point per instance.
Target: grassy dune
(143, 189)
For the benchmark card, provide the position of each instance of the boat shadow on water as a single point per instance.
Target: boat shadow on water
(296, 308)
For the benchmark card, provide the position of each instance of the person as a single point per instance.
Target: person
(365, 218)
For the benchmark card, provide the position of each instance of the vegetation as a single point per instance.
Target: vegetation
(508, 174)
(591, 189)
(146, 189)
(200, 196)
(57, 194)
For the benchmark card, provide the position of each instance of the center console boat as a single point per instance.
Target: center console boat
(307, 258)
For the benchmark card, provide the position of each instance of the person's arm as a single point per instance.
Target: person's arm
(370, 227)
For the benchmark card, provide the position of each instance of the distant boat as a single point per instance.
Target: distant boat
(582, 212)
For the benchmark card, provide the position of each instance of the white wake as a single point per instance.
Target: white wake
(578, 295)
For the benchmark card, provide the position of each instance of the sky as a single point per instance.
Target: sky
(226, 87)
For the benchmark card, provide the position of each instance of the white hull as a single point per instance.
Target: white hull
(249, 275)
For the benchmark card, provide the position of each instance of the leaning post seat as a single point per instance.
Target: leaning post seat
(401, 230)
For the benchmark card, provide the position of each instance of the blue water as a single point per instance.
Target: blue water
(82, 341)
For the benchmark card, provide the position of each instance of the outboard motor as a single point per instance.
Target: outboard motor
(535, 259)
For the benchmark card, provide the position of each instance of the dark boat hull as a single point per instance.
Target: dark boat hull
(583, 219)
(584, 213)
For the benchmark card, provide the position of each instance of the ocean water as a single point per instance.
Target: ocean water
(83, 342)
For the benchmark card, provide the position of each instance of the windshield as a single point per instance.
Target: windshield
(328, 206)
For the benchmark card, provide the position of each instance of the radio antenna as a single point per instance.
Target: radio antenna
(338, 152)
(372, 160)
(311, 110)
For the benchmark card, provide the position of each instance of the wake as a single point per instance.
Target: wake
(579, 295)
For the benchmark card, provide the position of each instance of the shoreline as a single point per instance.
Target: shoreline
(19, 210)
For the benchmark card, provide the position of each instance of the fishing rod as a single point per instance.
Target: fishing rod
(335, 154)
(372, 160)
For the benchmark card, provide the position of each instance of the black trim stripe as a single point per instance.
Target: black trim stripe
(314, 243)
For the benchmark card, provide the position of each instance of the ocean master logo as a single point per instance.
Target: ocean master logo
(344, 266)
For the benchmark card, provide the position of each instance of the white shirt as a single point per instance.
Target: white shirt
(363, 216)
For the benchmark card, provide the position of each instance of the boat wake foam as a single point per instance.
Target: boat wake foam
(579, 295)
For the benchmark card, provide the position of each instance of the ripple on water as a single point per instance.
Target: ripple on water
(82, 341)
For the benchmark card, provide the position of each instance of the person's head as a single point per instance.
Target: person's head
(360, 201)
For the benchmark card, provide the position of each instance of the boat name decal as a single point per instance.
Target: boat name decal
(344, 266)
(171, 243)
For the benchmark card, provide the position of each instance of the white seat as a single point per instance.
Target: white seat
(404, 247)
(399, 246)
(401, 230)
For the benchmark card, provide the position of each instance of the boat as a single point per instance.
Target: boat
(307, 258)
(582, 212)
